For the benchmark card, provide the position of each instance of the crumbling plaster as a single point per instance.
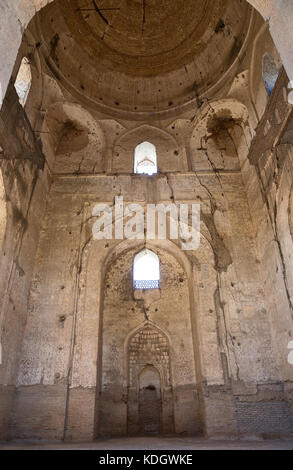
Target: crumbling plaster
(239, 317)
(16, 15)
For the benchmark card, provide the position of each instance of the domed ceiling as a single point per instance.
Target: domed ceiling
(142, 55)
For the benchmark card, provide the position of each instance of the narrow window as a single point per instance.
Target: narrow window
(270, 73)
(146, 270)
(23, 81)
(145, 159)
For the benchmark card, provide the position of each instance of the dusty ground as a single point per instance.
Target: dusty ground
(156, 443)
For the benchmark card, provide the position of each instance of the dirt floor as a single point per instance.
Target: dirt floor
(156, 443)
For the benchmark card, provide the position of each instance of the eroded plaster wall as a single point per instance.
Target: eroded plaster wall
(124, 310)
(234, 345)
(25, 186)
(224, 310)
(231, 332)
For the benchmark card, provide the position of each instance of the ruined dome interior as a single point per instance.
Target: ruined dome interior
(143, 56)
(161, 103)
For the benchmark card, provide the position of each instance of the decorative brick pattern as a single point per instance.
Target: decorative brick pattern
(149, 347)
(146, 284)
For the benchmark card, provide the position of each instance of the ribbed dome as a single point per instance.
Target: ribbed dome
(143, 55)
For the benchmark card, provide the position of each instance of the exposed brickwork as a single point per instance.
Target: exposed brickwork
(85, 354)
(148, 346)
(264, 418)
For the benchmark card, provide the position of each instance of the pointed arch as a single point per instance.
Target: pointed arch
(146, 142)
(148, 365)
(145, 159)
(145, 324)
(139, 353)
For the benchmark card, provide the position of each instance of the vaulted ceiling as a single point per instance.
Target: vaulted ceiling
(142, 55)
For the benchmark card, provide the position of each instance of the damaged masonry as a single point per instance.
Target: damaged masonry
(134, 222)
(128, 335)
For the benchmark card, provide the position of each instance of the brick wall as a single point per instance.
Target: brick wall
(265, 417)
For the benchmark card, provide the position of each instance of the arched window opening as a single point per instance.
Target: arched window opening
(270, 73)
(146, 270)
(23, 81)
(145, 159)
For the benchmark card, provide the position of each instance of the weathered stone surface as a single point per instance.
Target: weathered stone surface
(84, 354)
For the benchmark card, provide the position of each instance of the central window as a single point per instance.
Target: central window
(146, 270)
(145, 159)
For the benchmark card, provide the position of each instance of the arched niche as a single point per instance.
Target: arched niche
(88, 374)
(218, 140)
(88, 323)
(73, 141)
(150, 400)
(167, 150)
(121, 314)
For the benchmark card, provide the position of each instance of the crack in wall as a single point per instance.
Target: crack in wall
(273, 221)
(74, 324)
